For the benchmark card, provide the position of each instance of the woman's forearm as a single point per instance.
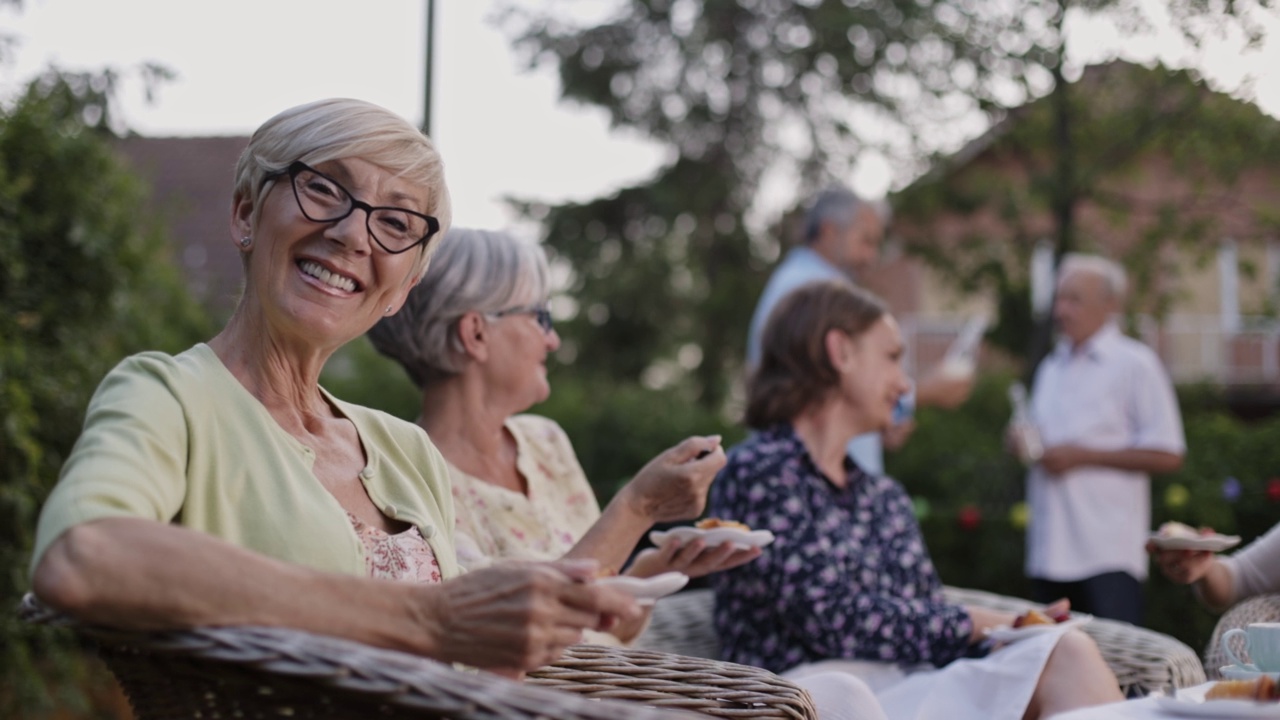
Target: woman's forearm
(612, 538)
(1216, 588)
(141, 574)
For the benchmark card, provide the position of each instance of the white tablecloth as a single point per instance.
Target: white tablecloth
(997, 687)
(1143, 709)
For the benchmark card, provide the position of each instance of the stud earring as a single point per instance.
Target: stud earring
(388, 309)
(246, 241)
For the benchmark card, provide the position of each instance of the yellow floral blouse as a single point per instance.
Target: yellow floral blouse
(544, 525)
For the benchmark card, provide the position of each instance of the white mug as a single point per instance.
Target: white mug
(1262, 642)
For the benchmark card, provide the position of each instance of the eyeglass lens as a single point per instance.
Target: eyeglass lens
(324, 200)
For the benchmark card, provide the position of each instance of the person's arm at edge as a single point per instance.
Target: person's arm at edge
(632, 512)
(140, 574)
(1061, 458)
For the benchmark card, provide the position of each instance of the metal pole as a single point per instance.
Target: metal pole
(430, 67)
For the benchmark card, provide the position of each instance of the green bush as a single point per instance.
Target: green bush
(617, 428)
(82, 284)
(955, 460)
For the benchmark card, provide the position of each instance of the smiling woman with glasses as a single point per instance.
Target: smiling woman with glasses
(224, 486)
(475, 336)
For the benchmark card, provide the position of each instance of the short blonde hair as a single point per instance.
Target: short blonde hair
(481, 271)
(345, 128)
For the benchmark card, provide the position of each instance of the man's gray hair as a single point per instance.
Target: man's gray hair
(481, 271)
(1111, 272)
(839, 206)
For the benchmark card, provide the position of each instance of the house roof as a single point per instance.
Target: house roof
(191, 180)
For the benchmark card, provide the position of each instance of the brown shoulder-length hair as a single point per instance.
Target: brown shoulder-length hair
(795, 370)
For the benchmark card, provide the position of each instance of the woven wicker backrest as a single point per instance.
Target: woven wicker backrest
(258, 672)
(1142, 660)
(1262, 608)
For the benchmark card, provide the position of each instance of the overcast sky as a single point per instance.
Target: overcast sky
(501, 129)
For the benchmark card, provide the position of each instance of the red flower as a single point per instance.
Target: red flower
(970, 517)
(1273, 489)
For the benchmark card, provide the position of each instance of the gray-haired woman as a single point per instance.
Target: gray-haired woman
(474, 335)
(224, 486)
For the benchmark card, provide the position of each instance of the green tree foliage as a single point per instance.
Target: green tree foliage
(1129, 125)
(81, 286)
(743, 91)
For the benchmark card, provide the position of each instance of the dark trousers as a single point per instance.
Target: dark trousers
(1113, 595)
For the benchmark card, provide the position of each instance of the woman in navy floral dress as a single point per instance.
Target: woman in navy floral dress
(849, 576)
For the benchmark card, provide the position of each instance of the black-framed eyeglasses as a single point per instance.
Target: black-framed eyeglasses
(539, 313)
(323, 200)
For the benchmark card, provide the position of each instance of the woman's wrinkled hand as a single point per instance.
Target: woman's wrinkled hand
(694, 558)
(673, 486)
(513, 617)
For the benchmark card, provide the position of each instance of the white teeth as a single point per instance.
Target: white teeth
(315, 270)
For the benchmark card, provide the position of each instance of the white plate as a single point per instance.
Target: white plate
(1184, 706)
(646, 590)
(1006, 634)
(1242, 672)
(1212, 543)
(713, 537)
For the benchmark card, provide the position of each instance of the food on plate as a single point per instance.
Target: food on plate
(1175, 529)
(713, 523)
(1040, 617)
(1263, 689)
(1032, 617)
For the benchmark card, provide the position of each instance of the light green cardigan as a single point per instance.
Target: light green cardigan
(178, 439)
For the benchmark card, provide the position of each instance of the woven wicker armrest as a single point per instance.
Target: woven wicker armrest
(710, 687)
(1262, 608)
(268, 672)
(1142, 660)
(682, 624)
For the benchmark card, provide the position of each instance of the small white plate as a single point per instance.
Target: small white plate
(646, 590)
(713, 536)
(1245, 672)
(1212, 543)
(1006, 634)
(1192, 706)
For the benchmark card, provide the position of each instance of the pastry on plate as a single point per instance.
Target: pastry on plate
(713, 523)
(1263, 689)
(1039, 617)
(1175, 529)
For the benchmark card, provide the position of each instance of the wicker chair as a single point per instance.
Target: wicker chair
(1262, 608)
(262, 672)
(1143, 660)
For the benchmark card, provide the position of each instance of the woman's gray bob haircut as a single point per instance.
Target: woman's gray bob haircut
(482, 271)
(1111, 272)
(340, 128)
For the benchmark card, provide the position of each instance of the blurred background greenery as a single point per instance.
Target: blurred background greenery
(662, 275)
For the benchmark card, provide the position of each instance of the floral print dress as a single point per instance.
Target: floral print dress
(404, 556)
(543, 525)
(848, 576)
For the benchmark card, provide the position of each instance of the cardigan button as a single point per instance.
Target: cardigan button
(391, 512)
(428, 532)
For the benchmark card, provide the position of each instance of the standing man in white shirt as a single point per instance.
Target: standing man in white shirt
(842, 236)
(1107, 416)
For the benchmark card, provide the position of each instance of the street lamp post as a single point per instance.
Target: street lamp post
(430, 67)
